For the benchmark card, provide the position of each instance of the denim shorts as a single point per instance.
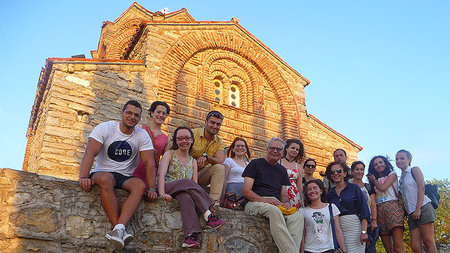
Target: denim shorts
(119, 178)
(427, 215)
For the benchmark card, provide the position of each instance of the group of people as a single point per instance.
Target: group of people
(305, 213)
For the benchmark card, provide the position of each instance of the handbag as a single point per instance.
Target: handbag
(335, 242)
(233, 201)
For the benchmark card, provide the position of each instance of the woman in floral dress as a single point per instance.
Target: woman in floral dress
(293, 154)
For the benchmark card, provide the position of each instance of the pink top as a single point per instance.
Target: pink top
(159, 143)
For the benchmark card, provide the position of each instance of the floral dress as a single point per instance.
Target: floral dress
(177, 171)
(292, 191)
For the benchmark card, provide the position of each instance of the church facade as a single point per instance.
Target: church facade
(194, 66)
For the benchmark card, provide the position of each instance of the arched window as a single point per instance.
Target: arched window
(233, 98)
(218, 90)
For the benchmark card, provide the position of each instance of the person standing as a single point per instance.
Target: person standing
(421, 214)
(208, 150)
(118, 146)
(339, 155)
(264, 189)
(292, 156)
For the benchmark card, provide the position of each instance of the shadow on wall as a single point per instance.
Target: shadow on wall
(43, 213)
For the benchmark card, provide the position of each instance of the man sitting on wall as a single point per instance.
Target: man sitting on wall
(208, 150)
(117, 146)
(264, 189)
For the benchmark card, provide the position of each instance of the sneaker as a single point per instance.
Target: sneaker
(116, 237)
(127, 238)
(214, 222)
(190, 242)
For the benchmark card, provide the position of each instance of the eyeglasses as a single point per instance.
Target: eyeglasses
(332, 172)
(310, 166)
(130, 113)
(184, 138)
(214, 114)
(239, 146)
(275, 149)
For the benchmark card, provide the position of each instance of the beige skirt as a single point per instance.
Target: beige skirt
(351, 228)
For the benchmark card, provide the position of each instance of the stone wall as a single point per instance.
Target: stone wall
(46, 214)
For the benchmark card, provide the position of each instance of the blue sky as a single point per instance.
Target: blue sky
(379, 70)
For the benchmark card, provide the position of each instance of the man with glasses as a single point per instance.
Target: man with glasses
(208, 150)
(264, 189)
(118, 146)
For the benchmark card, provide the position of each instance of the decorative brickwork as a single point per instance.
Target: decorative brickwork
(171, 57)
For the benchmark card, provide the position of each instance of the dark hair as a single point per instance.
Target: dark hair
(155, 104)
(387, 169)
(132, 102)
(230, 152)
(356, 163)
(323, 196)
(345, 153)
(215, 114)
(408, 154)
(174, 138)
(301, 150)
(343, 166)
(308, 160)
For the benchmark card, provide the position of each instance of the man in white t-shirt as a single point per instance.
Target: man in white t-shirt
(118, 147)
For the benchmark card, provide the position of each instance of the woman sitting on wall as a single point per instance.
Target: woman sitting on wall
(389, 208)
(293, 154)
(352, 205)
(177, 178)
(238, 156)
(421, 214)
(158, 113)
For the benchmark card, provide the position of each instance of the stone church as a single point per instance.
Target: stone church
(195, 66)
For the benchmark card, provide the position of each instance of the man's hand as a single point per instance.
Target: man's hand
(85, 183)
(151, 195)
(201, 162)
(272, 201)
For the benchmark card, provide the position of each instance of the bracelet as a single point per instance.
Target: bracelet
(151, 189)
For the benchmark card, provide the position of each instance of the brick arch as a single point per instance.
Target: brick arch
(199, 41)
(120, 38)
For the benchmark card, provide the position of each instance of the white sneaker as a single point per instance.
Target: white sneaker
(127, 238)
(116, 237)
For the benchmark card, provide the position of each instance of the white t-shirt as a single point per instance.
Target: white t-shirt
(410, 190)
(389, 194)
(236, 170)
(120, 152)
(319, 234)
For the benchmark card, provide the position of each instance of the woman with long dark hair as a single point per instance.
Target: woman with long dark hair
(292, 156)
(389, 208)
(421, 214)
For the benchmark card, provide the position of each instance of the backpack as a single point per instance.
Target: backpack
(431, 190)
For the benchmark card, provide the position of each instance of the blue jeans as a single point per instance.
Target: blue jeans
(234, 188)
(373, 237)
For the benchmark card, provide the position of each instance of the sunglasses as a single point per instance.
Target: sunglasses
(310, 166)
(332, 172)
(215, 114)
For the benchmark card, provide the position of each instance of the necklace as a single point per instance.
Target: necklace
(288, 159)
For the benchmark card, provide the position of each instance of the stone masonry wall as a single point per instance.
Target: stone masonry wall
(46, 214)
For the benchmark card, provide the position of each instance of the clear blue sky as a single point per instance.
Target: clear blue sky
(379, 70)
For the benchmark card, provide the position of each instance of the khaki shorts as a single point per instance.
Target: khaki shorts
(427, 215)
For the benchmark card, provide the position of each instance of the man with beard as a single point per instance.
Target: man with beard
(208, 150)
(118, 146)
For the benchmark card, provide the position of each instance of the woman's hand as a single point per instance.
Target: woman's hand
(416, 214)
(371, 178)
(374, 224)
(167, 197)
(363, 238)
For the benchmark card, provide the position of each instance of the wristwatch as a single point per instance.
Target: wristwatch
(363, 232)
(151, 189)
(205, 155)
